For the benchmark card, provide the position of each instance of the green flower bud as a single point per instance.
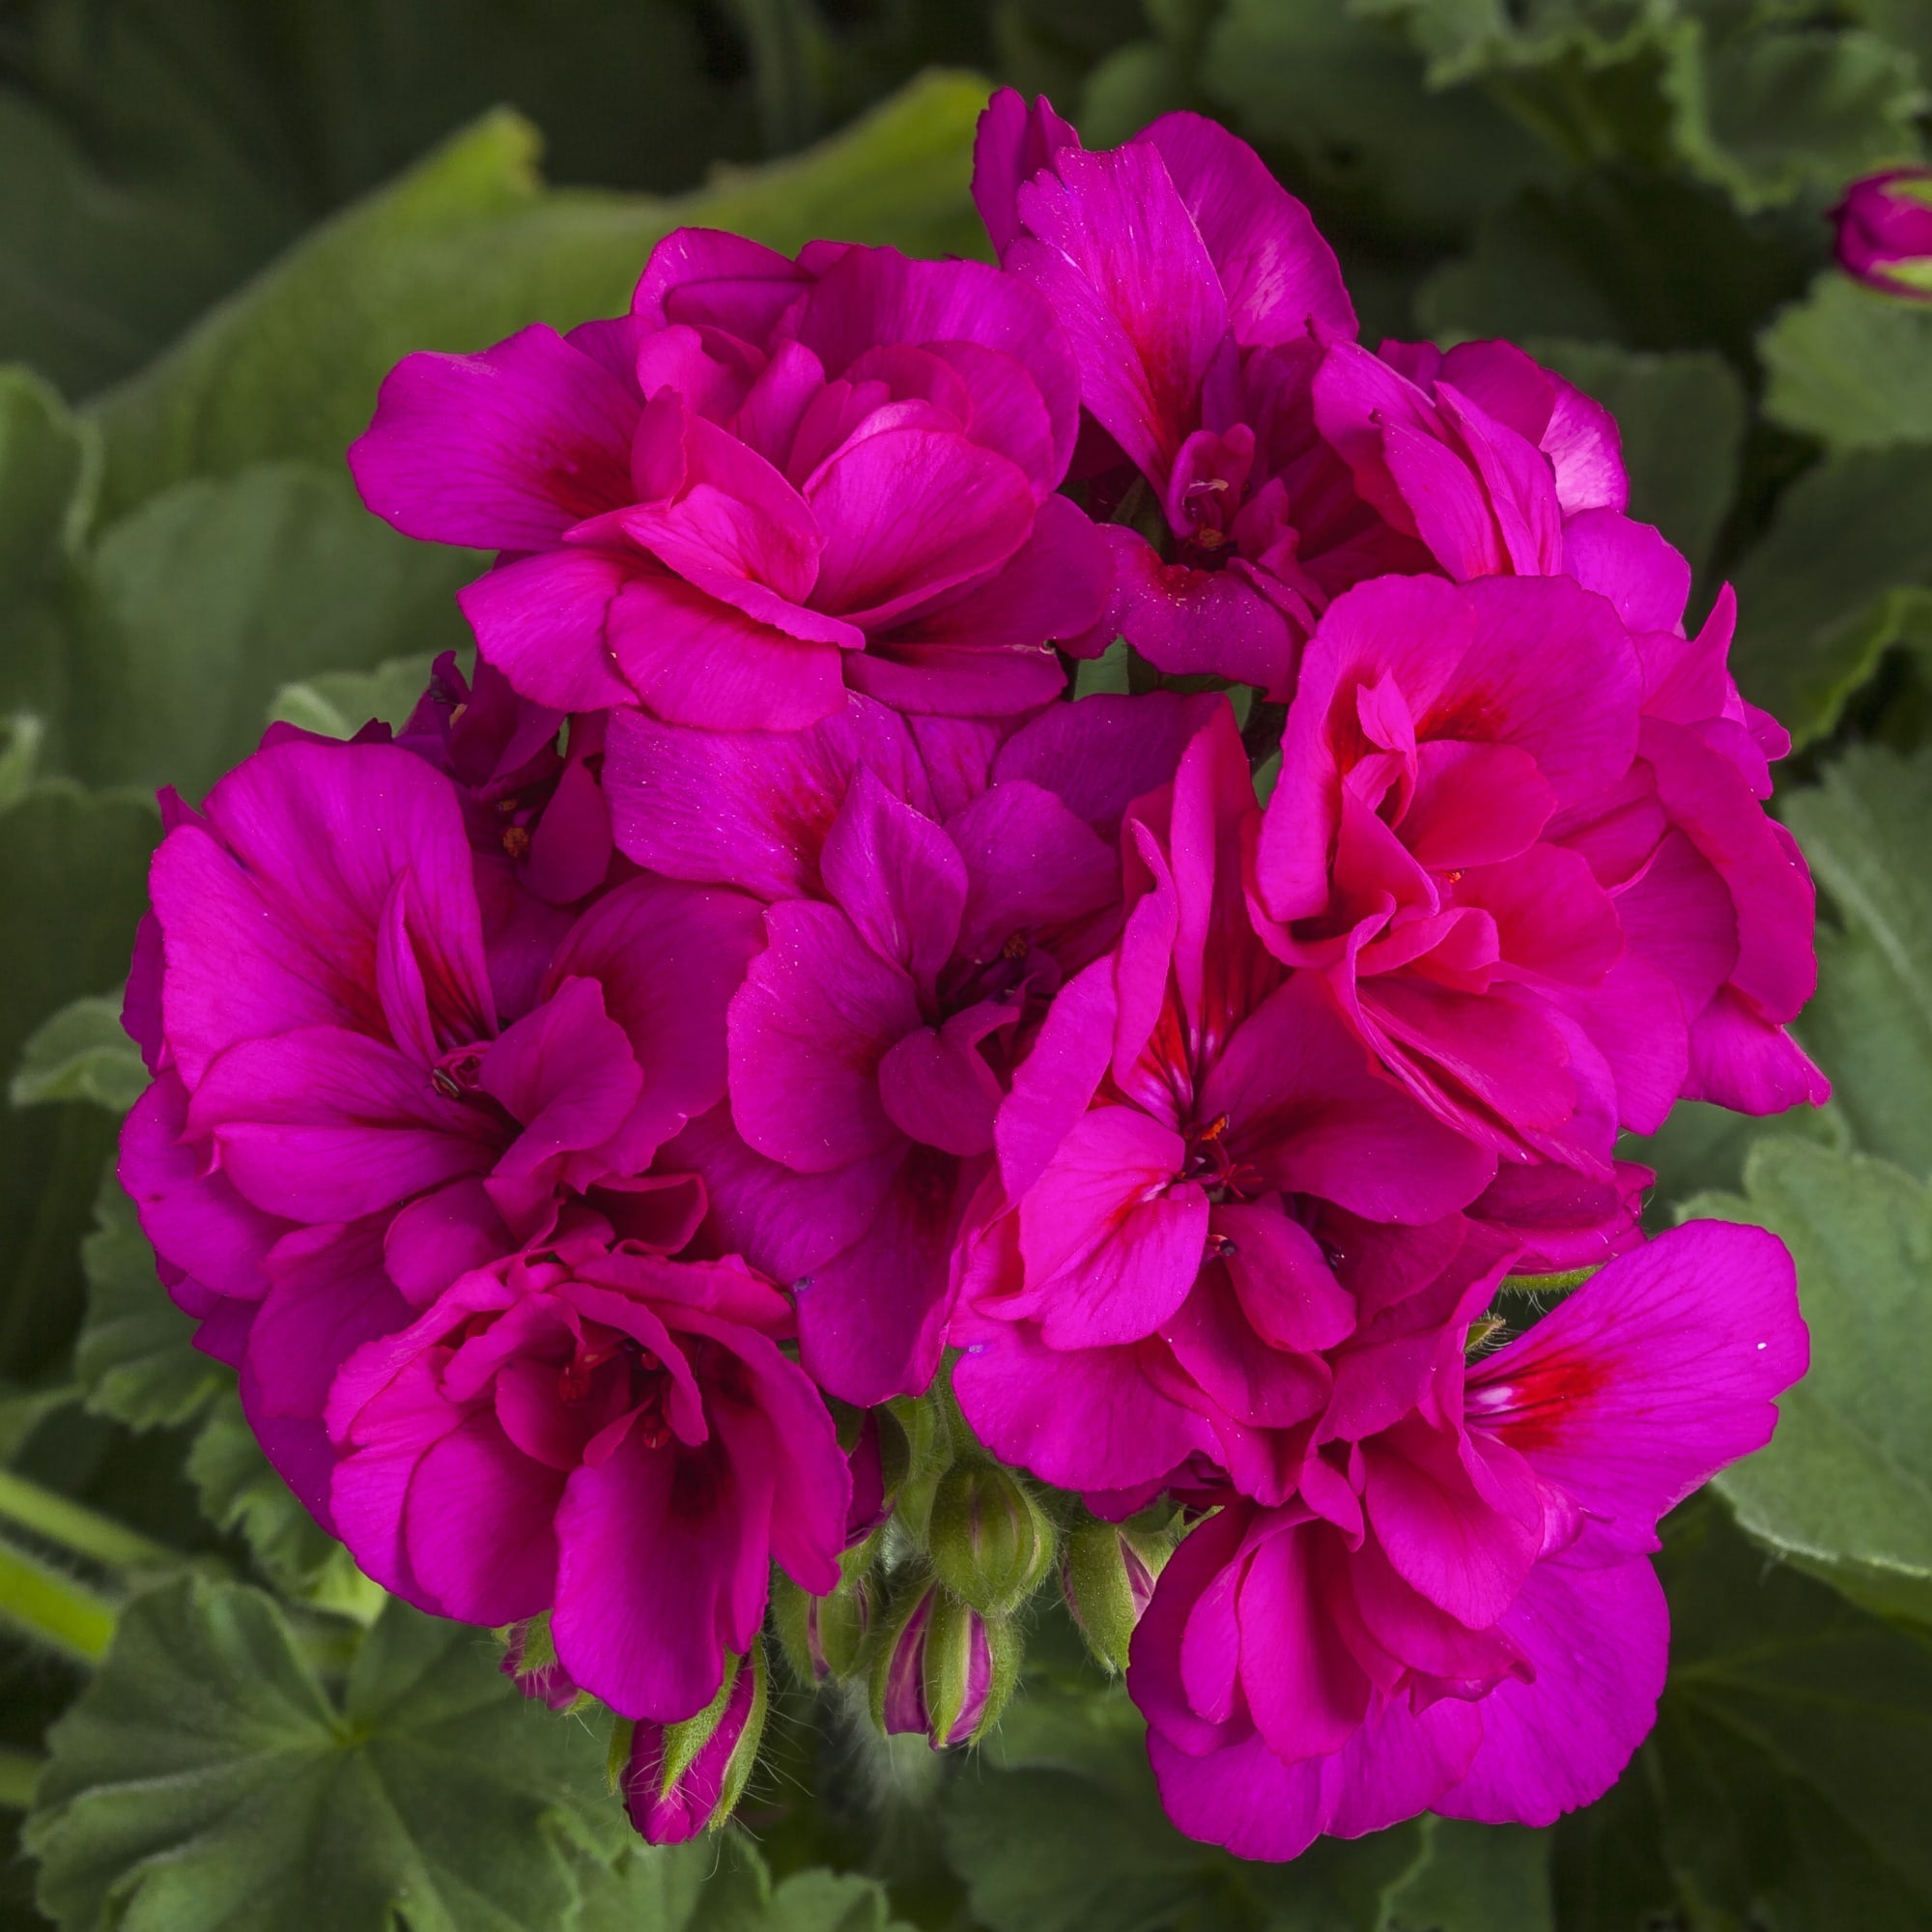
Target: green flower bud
(679, 1780)
(823, 1637)
(942, 1668)
(991, 1542)
(1108, 1577)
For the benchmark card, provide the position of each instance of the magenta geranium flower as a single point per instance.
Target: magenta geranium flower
(771, 481)
(1458, 1612)
(352, 1104)
(603, 1434)
(1189, 1107)
(1523, 844)
(1281, 462)
(931, 884)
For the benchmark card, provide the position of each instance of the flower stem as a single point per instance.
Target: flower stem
(52, 1608)
(76, 1528)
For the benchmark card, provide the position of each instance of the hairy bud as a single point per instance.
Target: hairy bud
(680, 1779)
(991, 1542)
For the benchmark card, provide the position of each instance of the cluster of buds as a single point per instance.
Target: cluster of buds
(946, 1550)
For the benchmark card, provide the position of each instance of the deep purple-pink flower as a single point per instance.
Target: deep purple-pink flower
(1278, 462)
(1148, 1284)
(770, 482)
(1458, 1612)
(365, 1087)
(1519, 830)
(604, 1434)
(930, 885)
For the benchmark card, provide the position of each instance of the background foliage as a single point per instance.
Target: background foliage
(226, 218)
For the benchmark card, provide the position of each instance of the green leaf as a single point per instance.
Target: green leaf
(135, 1359)
(49, 471)
(1701, 1147)
(1844, 1489)
(1758, 106)
(241, 1492)
(720, 1884)
(338, 704)
(1793, 1749)
(467, 247)
(1682, 417)
(1618, 256)
(1346, 95)
(215, 593)
(1870, 1022)
(1835, 581)
(73, 877)
(204, 1777)
(81, 1053)
(176, 145)
(1476, 1878)
(1850, 367)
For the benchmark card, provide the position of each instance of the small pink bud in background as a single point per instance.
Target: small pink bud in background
(1884, 232)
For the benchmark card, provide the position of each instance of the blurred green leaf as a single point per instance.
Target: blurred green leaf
(212, 595)
(1793, 1749)
(1852, 368)
(1682, 417)
(135, 1359)
(1751, 100)
(1702, 1148)
(1616, 255)
(81, 1053)
(1475, 1878)
(338, 704)
(1346, 94)
(1870, 1022)
(1844, 1489)
(468, 247)
(176, 145)
(74, 879)
(205, 1777)
(1835, 581)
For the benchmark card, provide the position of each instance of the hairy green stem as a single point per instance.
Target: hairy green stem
(76, 1528)
(52, 1608)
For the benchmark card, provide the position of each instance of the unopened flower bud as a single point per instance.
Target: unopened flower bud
(944, 1669)
(991, 1542)
(1884, 232)
(680, 1779)
(823, 1635)
(1108, 1577)
(530, 1663)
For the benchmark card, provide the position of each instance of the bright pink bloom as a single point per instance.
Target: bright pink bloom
(931, 884)
(1458, 1612)
(354, 1101)
(1282, 463)
(606, 1432)
(1884, 232)
(1146, 1286)
(771, 481)
(1520, 835)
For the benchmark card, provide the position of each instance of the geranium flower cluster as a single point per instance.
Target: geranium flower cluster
(760, 1064)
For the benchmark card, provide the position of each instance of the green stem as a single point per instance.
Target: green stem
(19, 1773)
(76, 1528)
(52, 1608)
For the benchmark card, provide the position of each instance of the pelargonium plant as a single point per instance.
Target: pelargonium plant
(765, 1103)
